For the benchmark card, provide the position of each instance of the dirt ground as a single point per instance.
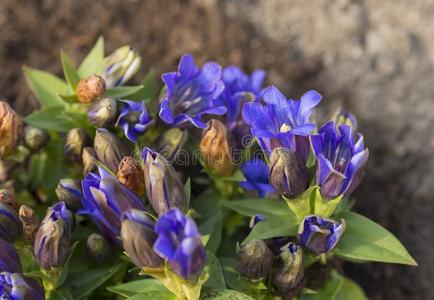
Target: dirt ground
(350, 51)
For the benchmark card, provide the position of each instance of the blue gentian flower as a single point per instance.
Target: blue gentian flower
(320, 235)
(343, 116)
(179, 241)
(239, 88)
(281, 122)
(52, 241)
(121, 65)
(105, 199)
(9, 259)
(191, 93)
(256, 173)
(10, 225)
(134, 119)
(341, 160)
(15, 286)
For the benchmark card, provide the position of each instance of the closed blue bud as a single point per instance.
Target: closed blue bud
(138, 237)
(10, 225)
(69, 191)
(105, 199)
(320, 235)
(53, 239)
(9, 259)
(256, 173)
(134, 119)
(179, 242)
(15, 286)
(163, 185)
(341, 160)
(255, 260)
(191, 93)
(121, 65)
(345, 117)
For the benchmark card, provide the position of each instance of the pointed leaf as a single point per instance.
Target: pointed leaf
(137, 287)
(252, 207)
(122, 91)
(69, 71)
(51, 118)
(216, 279)
(93, 64)
(276, 226)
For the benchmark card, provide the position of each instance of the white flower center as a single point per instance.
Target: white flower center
(285, 128)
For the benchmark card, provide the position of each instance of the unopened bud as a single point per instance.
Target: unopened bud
(130, 174)
(90, 89)
(76, 140)
(109, 149)
(289, 274)
(171, 142)
(69, 191)
(103, 113)
(8, 197)
(30, 223)
(9, 259)
(98, 247)
(288, 172)
(121, 65)
(10, 225)
(89, 160)
(214, 149)
(343, 116)
(11, 128)
(255, 260)
(35, 138)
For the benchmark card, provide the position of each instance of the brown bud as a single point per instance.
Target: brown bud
(8, 197)
(11, 129)
(90, 89)
(30, 223)
(130, 174)
(214, 149)
(89, 160)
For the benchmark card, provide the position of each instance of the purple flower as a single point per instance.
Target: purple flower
(10, 225)
(341, 160)
(320, 235)
(281, 122)
(239, 88)
(15, 286)
(191, 92)
(9, 259)
(256, 173)
(105, 199)
(343, 116)
(179, 241)
(134, 119)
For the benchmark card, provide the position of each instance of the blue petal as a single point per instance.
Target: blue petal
(209, 75)
(186, 67)
(307, 102)
(170, 81)
(166, 113)
(164, 247)
(257, 80)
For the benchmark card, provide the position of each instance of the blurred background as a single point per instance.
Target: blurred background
(373, 57)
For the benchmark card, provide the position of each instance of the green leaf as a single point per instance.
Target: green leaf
(51, 118)
(69, 71)
(232, 277)
(46, 87)
(153, 295)
(122, 91)
(366, 240)
(350, 290)
(252, 207)
(331, 287)
(187, 189)
(213, 227)
(138, 287)
(83, 283)
(223, 294)
(70, 98)
(275, 226)
(93, 64)
(216, 279)
(148, 90)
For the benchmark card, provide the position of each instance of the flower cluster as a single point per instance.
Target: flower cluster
(167, 182)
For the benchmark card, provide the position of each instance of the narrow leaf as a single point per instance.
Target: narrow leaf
(137, 287)
(93, 64)
(216, 279)
(276, 226)
(51, 118)
(252, 207)
(69, 71)
(122, 91)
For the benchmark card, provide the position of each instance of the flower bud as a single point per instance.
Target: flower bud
(35, 138)
(288, 172)
(163, 185)
(121, 65)
(138, 238)
(289, 272)
(255, 260)
(109, 149)
(214, 149)
(89, 160)
(76, 140)
(103, 113)
(8, 197)
(10, 225)
(69, 191)
(171, 142)
(90, 89)
(130, 174)
(30, 221)
(11, 127)
(98, 247)
(53, 238)
(17, 286)
(320, 235)
(9, 259)
(345, 117)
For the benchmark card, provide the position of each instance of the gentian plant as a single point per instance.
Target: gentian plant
(135, 203)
